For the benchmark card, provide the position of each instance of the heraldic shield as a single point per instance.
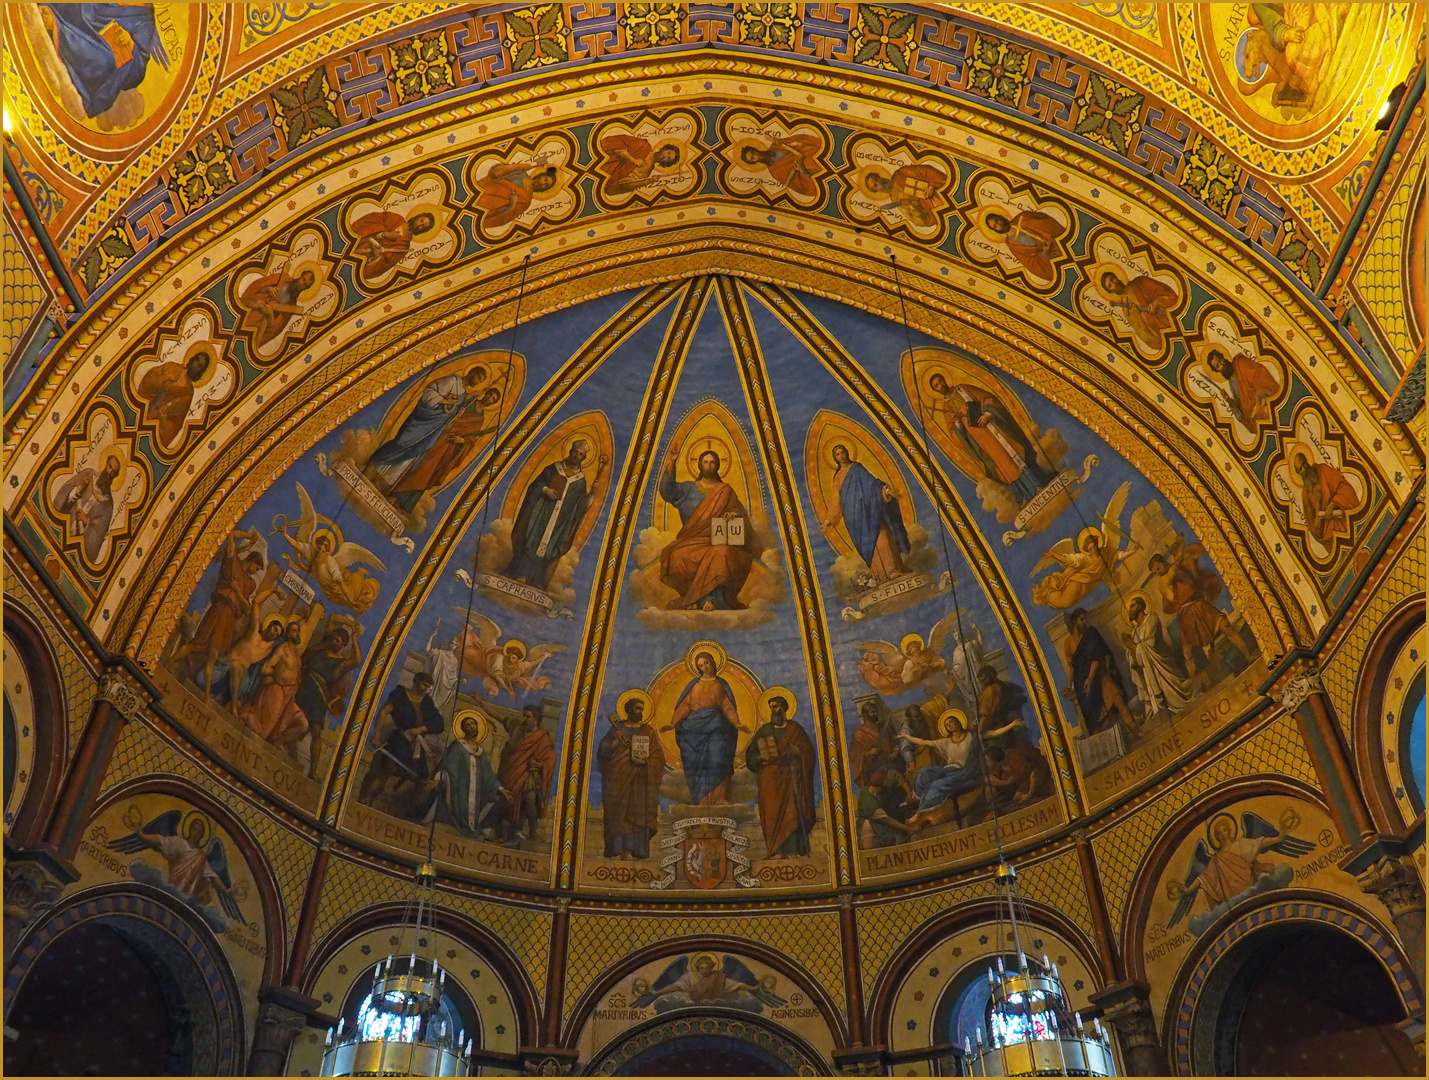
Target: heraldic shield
(705, 862)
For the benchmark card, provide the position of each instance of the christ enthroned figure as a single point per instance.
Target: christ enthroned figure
(707, 576)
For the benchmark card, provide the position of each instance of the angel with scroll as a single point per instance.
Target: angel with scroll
(196, 869)
(895, 669)
(508, 666)
(701, 980)
(1094, 556)
(1227, 865)
(328, 559)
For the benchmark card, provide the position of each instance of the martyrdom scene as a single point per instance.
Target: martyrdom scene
(466, 733)
(707, 780)
(939, 726)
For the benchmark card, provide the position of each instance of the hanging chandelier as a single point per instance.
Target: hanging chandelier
(402, 1029)
(1031, 1029)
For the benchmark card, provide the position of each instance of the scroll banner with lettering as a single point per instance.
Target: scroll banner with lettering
(892, 590)
(361, 489)
(1064, 480)
(520, 590)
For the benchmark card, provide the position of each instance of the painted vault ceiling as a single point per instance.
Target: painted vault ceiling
(411, 329)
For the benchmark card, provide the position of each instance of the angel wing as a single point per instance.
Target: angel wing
(349, 553)
(166, 824)
(939, 634)
(884, 650)
(671, 973)
(1059, 552)
(1253, 825)
(737, 971)
(308, 519)
(218, 863)
(538, 656)
(486, 631)
(1111, 520)
(1200, 859)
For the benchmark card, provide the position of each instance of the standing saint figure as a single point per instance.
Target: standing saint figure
(272, 300)
(442, 403)
(1161, 682)
(528, 765)
(631, 763)
(1250, 388)
(707, 726)
(167, 391)
(1093, 679)
(1146, 303)
(551, 512)
(791, 160)
(1326, 497)
(1188, 592)
(869, 510)
(230, 609)
(385, 238)
(87, 499)
(274, 714)
(446, 456)
(1030, 237)
(507, 190)
(327, 665)
(983, 426)
(781, 754)
(911, 189)
(707, 576)
(465, 782)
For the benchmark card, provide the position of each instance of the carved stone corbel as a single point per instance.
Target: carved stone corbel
(31, 888)
(119, 688)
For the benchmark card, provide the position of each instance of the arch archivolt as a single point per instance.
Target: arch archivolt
(809, 257)
(594, 1022)
(352, 949)
(1187, 1025)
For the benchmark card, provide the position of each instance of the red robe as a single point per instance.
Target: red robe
(394, 247)
(445, 459)
(786, 786)
(1146, 304)
(798, 159)
(535, 748)
(167, 394)
(627, 163)
(1255, 387)
(694, 567)
(1031, 238)
(1328, 491)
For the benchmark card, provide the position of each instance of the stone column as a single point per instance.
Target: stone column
(279, 1022)
(1127, 1008)
(118, 700)
(1391, 876)
(853, 976)
(1303, 695)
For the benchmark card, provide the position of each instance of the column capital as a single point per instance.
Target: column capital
(1304, 679)
(548, 1061)
(860, 1061)
(1394, 879)
(121, 690)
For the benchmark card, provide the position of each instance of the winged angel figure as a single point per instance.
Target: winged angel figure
(1095, 555)
(702, 980)
(332, 561)
(1227, 864)
(196, 870)
(508, 665)
(895, 669)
